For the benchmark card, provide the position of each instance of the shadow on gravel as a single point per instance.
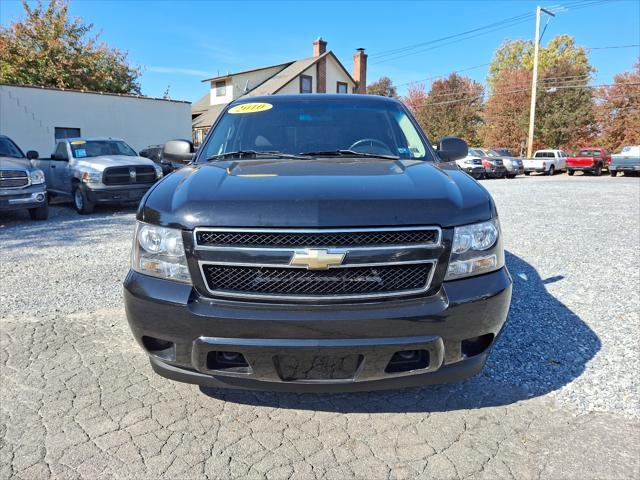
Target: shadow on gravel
(64, 226)
(543, 347)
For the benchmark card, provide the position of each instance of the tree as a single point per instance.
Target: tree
(47, 48)
(619, 111)
(383, 87)
(452, 107)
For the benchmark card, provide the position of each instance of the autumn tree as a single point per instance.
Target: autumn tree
(619, 111)
(383, 87)
(48, 48)
(452, 107)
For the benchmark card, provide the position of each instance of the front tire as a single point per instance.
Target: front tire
(39, 213)
(552, 171)
(81, 203)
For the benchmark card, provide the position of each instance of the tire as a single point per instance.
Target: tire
(552, 171)
(511, 175)
(81, 203)
(527, 173)
(570, 172)
(598, 171)
(613, 173)
(39, 213)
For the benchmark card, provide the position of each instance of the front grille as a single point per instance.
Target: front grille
(298, 239)
(498, 162)
(336, 282)
(13, 178)
(129, 175)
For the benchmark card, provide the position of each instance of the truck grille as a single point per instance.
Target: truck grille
(337, 282)
(315, 239)
(129, 175)
(13, 179)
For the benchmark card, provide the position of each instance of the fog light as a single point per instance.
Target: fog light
(40, 197)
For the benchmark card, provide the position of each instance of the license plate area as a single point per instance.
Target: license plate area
(317, 367)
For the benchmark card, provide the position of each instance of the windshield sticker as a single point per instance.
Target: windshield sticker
(80, 153)
(78, 142)
(251, 108)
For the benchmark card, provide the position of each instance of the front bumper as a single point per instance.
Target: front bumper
(496, 171)
(33, 196)
(474, 171)
(116, 194)
(355, 341)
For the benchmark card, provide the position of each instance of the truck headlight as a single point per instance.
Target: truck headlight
(91, 176)
(476, 249)
(36, 176)
(159, 252)
(158, 171)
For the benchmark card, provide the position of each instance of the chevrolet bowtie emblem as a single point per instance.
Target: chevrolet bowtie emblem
(317, 259)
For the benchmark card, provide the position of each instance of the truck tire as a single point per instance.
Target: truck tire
(598, 171)
(571, 172)
(613, 173)
(39, 213)
(552, 171)
(81, 203)
(527, 173)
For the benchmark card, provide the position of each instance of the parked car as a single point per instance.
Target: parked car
(472, 164)
(591, 159)
(627, 161)
(512, 163)
(493, 165)
(317, 243)
(100, 170)
(21, 185)
(154, 153)
(547, 162)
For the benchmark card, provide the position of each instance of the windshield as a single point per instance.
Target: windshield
(98, 148)
(9, 149)
(315, 127)
(475, 152)
(492, 153)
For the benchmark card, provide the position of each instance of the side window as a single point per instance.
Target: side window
(66, 132)
(61, 151)
(342, 87)
(306, 84)
(221, 89)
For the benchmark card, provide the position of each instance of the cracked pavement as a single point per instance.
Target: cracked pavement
(558, 399)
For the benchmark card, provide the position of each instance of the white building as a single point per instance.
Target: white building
(320, 73)
(35, 117)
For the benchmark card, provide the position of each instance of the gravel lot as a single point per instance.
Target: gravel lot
(560, 396)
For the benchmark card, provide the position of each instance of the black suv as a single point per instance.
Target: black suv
(317, 243)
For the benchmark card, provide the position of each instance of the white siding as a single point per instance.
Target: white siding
(29, 116)
(294, 85)
(336, 74)
(228, 93)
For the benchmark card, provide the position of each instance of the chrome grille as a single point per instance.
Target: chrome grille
(13, 178)
(336, 282)
(318, 238)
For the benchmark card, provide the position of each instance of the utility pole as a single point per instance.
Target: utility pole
(534, 81)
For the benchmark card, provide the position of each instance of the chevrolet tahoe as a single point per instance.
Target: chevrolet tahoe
(317, 243)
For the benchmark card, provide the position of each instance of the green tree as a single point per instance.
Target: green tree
(453, 106)
(383, 87)
(48, 48)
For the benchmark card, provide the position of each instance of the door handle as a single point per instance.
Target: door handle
(53, 166)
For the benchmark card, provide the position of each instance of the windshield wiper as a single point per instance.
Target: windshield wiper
(348, 153)
(252, 154)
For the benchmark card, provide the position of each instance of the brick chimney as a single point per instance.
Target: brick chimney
(360, 70)
(320, 47)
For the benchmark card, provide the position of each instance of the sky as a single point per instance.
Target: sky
(180, 43)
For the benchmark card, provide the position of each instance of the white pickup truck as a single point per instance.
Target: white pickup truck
(546, 162)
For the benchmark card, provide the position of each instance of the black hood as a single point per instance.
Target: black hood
(316, 193)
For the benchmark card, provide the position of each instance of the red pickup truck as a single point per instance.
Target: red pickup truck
(591, 159)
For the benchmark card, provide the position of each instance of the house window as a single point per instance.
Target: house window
(65, 132)
(342, 87)
(221, 89)
(306, 84)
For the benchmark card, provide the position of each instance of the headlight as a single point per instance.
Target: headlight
(37, 176)
(91, 176)
(159, 252)
(158, 171)
(476, 249)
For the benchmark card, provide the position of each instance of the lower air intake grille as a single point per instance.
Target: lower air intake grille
(336, 282)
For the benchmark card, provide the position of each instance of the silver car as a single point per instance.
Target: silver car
(511, 162)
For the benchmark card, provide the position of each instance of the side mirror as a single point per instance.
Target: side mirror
(452, 148)
(178, 151)
(32, 155)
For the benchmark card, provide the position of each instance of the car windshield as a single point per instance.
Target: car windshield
(98, 148)
(492, 153)
(315, 128)
(9, 149)
(475, 152)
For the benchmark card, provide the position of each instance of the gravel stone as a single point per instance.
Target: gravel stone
(559, 397)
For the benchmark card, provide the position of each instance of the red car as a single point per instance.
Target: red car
(591, 159)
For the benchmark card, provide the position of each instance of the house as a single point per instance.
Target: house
(35, 117)
(320, 73)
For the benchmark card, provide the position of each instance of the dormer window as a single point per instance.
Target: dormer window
(221, 88)
(306, 84)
